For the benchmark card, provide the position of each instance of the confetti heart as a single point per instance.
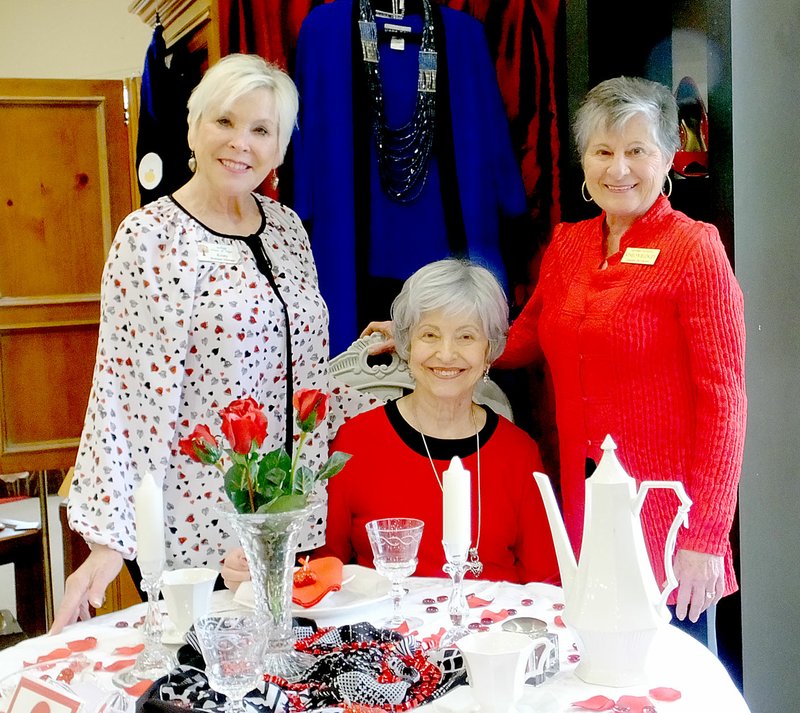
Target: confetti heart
(432, 642)
(402, 629)
(119, 665)
(595, 703)
(474, 601)
(665, 694)
(139, 689)
(54, 655)
(494, 616)
(86, 644)
(635, 704)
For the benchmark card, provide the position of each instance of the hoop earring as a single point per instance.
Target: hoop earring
(192, 163)
(585, 193)
(669, 190)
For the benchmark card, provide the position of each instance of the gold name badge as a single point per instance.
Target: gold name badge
(640, 256)
(214, 252)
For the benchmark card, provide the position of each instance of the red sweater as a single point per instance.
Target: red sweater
(653, 355)
(390, 475)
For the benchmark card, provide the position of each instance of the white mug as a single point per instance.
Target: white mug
(497, 662)
(187, 593)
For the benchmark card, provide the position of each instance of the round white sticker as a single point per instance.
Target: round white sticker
(151, 171)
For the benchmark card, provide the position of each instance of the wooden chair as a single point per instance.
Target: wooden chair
(29, 552)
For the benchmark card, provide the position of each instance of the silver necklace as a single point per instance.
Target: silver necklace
(473, 558)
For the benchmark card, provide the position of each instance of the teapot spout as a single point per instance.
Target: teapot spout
(567, 565)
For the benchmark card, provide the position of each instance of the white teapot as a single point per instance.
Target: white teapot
(612, 600)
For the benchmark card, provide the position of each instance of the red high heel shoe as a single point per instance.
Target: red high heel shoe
(691, 159)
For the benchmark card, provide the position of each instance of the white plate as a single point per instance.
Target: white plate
(361, 586)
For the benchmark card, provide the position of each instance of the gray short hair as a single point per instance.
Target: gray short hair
(236, 75)
(454, 286)
(612, 103)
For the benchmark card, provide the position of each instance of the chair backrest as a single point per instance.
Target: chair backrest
(387, 376)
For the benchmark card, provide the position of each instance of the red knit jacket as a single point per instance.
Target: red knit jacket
(389, 475)
(654, 356)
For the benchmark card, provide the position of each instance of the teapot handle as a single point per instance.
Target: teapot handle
(681, 518)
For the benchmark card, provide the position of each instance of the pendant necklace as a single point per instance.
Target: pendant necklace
(473, 558)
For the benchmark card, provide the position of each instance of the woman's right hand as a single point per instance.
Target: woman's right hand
(386, 329)
(86, 587)
(235, 569)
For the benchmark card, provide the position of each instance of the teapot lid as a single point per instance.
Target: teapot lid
(609, 469)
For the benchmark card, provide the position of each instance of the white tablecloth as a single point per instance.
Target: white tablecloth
(677, 661)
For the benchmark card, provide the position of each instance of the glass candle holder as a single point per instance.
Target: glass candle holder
(155, 660)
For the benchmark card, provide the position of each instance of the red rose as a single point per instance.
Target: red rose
(311, 406)
(243, 422)
(200, 445)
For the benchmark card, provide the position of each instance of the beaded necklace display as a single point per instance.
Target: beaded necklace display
(473, 557)
(403, 153)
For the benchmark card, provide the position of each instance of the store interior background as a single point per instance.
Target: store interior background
(748, 61)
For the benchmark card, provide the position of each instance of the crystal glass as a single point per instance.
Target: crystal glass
(233, 649)
(394, 542)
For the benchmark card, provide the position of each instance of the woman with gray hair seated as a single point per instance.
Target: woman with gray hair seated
(449, 322)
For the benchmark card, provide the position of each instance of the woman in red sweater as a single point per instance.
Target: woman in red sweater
(640, 319)
(450, 322)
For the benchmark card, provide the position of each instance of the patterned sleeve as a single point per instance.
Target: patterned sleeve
(147, 295)
(345, 402)
(711, 313)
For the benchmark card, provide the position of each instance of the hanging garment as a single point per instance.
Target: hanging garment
(473, 185)
(162, 150)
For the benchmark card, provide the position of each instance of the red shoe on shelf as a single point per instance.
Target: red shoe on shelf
(691, 159)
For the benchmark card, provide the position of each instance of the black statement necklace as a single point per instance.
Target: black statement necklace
(403, 153)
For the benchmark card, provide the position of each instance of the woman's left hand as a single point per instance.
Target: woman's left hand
(235, 569)
(701, 582)
(386, 330)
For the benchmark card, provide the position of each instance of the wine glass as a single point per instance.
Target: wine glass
(394, 542)
(233, 649)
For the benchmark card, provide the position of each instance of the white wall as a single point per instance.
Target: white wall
(71, 39)
(766, 142)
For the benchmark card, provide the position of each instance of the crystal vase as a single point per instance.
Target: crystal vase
(269, 541)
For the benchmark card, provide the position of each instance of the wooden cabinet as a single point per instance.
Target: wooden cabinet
(196, 21)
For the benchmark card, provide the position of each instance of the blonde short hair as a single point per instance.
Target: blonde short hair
(236, 75)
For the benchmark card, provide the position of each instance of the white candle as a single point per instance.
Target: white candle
(457, 502)
(148, 507)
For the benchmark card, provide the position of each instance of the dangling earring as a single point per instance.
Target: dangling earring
(192, 163)
(585, 193)
(486, 376)
(273, 181)
(668, 192)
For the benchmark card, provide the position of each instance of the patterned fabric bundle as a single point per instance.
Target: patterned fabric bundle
(356, 664)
